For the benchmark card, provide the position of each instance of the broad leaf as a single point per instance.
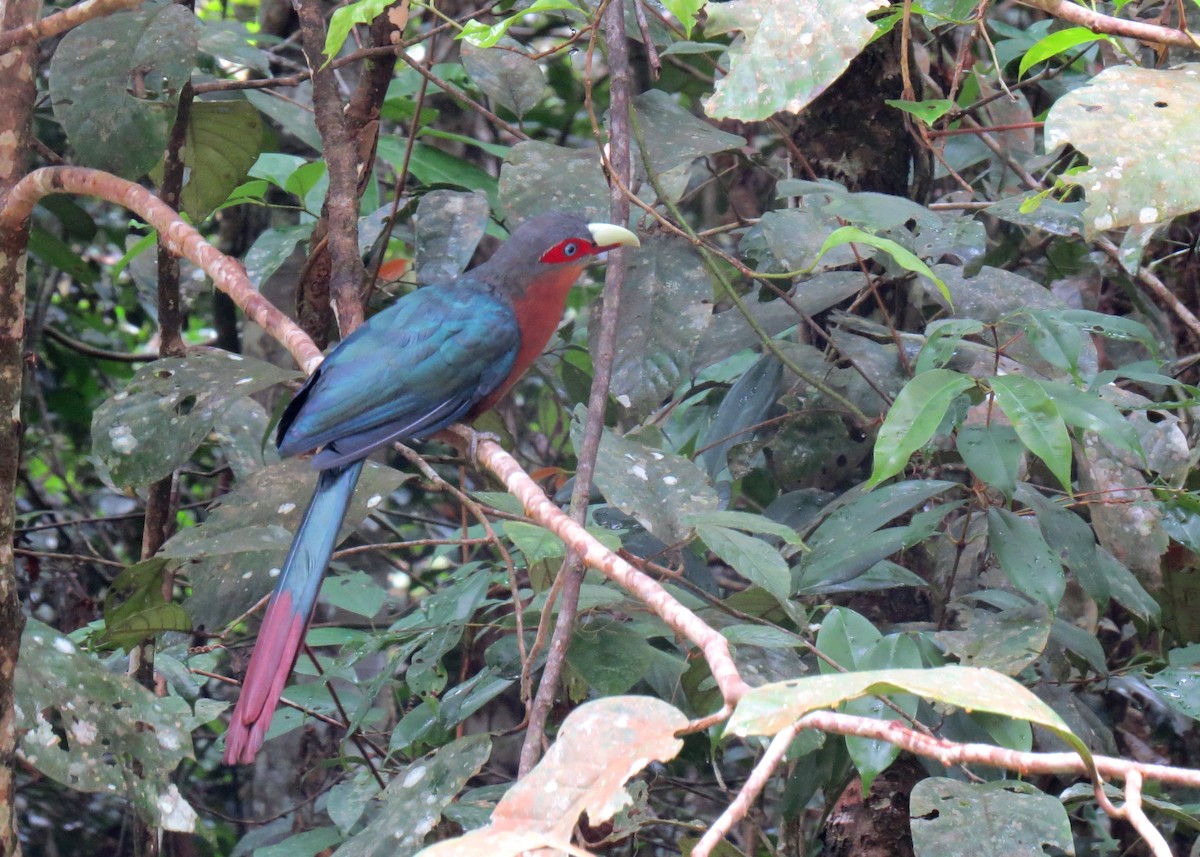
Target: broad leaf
(1025, 557)
(790, 52)
(1007, 817)
(1037, 422)
(115, 82)
(1109, 120)
(155, 424)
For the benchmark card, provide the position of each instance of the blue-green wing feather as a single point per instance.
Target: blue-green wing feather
(411, 370)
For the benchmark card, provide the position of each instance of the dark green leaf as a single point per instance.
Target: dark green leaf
(1037, 421)
(993, 452)
(913, 418)
(1025, 557)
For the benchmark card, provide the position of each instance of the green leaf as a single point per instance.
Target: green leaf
(913, 418)
(927, 111)
(343, 20)
(432, 166)
(1025, 557)
(993, 453)
(901, 256)
(747, 521)
(1054, 44)
(220, 146)
(1037, 422)
(750, 557)
(355, 592)
(941, 342)
(536, 543)
(845, 637)
(610, 656)
(135, 609)
(767, 709)
(1088, 411)
(685, 12)
(484, 36)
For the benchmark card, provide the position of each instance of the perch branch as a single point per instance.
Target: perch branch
(683, 621)
(61, 21)
(179, 237)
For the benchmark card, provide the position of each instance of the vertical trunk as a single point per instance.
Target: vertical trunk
(16, 111)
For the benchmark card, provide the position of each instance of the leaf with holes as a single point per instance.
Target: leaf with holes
(1109, 119)
(155, 424)
(115, 82)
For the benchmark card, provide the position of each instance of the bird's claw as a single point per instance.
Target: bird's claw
(474, 440)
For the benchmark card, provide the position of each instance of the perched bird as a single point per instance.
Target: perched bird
(442, 354)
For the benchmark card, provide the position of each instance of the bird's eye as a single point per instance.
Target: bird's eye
(566, 251)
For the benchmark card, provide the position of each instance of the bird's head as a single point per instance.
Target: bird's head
(555, 246)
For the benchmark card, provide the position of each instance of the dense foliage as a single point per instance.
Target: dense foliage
(902, 385)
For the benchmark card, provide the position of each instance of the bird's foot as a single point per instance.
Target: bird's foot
(475, 439)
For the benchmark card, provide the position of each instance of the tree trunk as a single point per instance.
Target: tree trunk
(16, 112)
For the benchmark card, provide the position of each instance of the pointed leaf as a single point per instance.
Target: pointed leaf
(913, 418)
(1037, 422)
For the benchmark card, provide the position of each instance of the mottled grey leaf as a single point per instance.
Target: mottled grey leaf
(1007, 641)
(506, 75)
(450, 225)
(115, 82)
(413, 801)
(538, 177)
(232, 554)
(155, 424)
(673, 136)
(666, 306)
(97, 731)
(659, 489)
(1003, 818)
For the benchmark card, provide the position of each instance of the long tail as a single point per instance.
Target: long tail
(287, 614)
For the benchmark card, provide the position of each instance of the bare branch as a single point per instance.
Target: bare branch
(63, 20)
(227, 274)
(1097, 23)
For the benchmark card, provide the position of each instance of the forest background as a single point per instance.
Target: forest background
(877, 454)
